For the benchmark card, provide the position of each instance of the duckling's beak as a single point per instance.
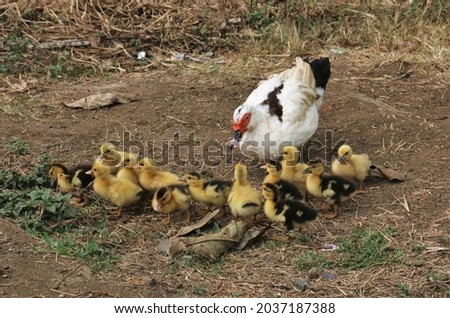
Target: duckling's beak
(342, 160)
(89, 172)
(102, 156)
(181, 179)
(307, 171)
(278, 157)
(263, 167)
(53, 182)
(120, 164)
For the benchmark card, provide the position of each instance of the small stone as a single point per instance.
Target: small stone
(301, 284)
(152, 282)
(5, 276)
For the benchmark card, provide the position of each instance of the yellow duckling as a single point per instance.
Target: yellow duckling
(351, 166)
(72, 179)
(292, 169)
(333, 189)
(151, 178)
(213, 192)
(287, 190)
(110, 156)
(291, 213)
(171, 199)
(243, 200)
(121, 192)
(128, 168)
(64, 184)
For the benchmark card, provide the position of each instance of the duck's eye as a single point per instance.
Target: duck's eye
(346, 153)
(246, 117)
(285, 153)
(127, 160)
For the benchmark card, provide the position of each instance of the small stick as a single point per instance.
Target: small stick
(56, 286)
(176, 119)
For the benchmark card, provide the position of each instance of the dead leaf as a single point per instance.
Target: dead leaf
(387, 173)
(163, 247)
(188, 229)
(101, 100)
(210, 246)
(252, 235)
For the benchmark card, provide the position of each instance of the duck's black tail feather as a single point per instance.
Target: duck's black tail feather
(322, 71)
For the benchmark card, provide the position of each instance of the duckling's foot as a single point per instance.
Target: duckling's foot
(168, 220)
(220, 214)
(187, 218)
(332, 215)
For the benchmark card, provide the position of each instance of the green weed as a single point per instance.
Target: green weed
(310, 259)
(205, 266)
(367, 247)
(18, 147)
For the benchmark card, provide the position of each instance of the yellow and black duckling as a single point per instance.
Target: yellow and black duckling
(152, 178)
(214, 192)
(351, 166)
(121, 192)
(171, 199)
(333, 189)
(291, 213)
(74, 177)
(128, 169)
(244, 200)
(292, 169)
(287, 189)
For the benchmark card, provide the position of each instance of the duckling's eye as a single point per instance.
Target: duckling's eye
(285, 153)
(346, 153)
(127, 160)
(107, 151)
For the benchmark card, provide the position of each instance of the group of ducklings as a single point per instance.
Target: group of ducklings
(125, 180)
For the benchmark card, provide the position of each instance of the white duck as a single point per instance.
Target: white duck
(283, 110)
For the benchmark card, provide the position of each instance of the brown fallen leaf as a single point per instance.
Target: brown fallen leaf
(252, 235)
(210, 246)
(101, 100)
(387, 173)
(188, 229)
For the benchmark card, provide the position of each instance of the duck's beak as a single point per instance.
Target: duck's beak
(342, 160)
(120, 164)
(181, 179)
(307, 171)
(89, 172)
(278, 157)
(237, 135)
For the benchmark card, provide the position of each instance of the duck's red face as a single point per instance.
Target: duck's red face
(242, 125)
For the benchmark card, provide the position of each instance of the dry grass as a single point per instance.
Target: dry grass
(110, 35)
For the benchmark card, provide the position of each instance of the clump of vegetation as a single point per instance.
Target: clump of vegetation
(18, 147)
(27, 199)
(364, 248)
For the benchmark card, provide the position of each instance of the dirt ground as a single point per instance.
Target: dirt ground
(396, 114)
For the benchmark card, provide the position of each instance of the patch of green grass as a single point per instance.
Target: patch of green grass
(367, 247)
(18, 147)
(404, 291)
(73, 244)
(441, 281)
(310, 259)
(198, 290)
(205, 266)
(272, 245)
(364, 248)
